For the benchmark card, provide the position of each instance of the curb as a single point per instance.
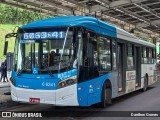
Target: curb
(2, 85)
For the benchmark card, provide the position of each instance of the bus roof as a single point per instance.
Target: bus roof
(90, 23)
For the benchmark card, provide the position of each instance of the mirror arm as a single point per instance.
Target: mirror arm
(10, 35)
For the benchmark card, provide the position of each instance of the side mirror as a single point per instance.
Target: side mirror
(9, 35)
(5, 48)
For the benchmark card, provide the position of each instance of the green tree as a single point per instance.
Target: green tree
(13, 15)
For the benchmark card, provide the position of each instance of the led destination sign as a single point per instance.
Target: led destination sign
(44, 35)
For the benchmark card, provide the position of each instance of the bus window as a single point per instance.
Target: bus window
(153, 55)
(24, 56)
(130, 59)
(150, 56)
(15, 55)
(35, 54)
(144, 55)
(79, 56)
(89, 69)
(49, 54)
(95, 54)
(104, 57)
(114, 54)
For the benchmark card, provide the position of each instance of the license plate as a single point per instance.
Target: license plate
(34, 100)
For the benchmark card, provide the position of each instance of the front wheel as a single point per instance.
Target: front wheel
(106, 97)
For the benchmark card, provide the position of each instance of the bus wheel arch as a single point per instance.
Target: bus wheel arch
(106, 94)
(145, 83)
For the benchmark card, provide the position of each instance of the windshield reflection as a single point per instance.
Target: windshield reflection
(47, 55)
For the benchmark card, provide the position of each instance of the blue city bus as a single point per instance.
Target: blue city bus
(78, 61)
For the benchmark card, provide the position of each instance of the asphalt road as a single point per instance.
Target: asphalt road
(4, 90)
(137, 101)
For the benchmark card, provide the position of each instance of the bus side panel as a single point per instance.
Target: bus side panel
(114, 82)
(86, 88)
(149, 69)
(89, 92)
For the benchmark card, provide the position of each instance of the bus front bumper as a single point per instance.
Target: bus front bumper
(61, 97)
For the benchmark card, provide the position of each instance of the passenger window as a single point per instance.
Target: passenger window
(153, 55)
(150, 56)
(130, 59)
(114, 54)
(144, 52)
(104, 54)
(144, 55)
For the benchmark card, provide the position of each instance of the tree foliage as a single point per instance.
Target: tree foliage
(13, 15)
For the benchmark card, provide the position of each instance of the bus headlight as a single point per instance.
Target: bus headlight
(13, 81)
(67, 82)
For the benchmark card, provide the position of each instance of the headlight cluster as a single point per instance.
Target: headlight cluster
(67, 82)
(13, 81)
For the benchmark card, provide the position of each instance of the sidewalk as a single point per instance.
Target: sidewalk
(5, 100)
(5, 97)
(4, 84)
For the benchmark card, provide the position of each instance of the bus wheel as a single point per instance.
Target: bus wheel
(145, 84)
(106, 97)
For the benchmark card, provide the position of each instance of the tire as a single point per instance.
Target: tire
(106, 97)
(145, 84)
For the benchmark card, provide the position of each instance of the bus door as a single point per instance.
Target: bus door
(138, 65)
(89, 70)
(120, 60)
(91, 59)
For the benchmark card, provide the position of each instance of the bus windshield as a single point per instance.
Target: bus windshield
(45, 51)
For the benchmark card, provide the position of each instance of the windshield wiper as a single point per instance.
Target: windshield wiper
(25, 67)
(47, 68)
